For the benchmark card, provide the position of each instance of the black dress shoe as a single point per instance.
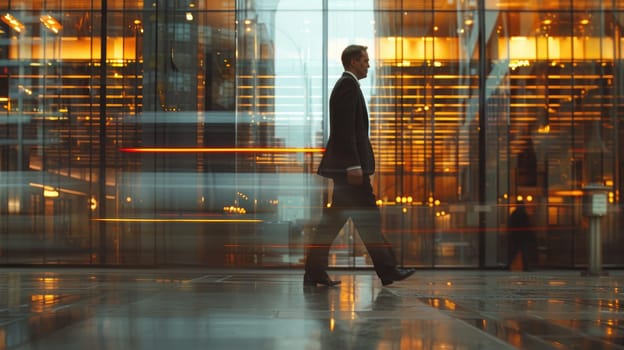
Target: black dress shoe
(309, 280)
(396, 274)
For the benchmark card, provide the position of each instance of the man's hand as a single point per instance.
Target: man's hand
(355, 177)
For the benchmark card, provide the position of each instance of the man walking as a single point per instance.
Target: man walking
(349, 161)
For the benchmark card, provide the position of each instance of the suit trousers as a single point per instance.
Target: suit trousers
(359, 204)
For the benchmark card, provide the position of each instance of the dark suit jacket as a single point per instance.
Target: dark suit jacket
(349, 144)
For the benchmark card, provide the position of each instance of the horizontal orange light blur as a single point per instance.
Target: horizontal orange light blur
(221, 150)
(571, 193)
(180, 220)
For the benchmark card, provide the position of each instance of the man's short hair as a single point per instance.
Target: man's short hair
(352, 52)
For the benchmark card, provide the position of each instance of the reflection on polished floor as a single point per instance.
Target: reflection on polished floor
(270, 309)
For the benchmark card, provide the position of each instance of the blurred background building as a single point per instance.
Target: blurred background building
(182, 132)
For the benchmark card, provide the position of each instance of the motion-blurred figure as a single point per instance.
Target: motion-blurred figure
(521, 236)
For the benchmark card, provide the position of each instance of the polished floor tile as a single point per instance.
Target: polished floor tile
(270, 309)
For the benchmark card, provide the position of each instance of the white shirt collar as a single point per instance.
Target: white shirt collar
(353, 75)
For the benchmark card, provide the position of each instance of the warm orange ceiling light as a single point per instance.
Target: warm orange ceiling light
(51, 23)
(13, 22)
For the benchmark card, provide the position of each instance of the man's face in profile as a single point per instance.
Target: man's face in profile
(360, 66)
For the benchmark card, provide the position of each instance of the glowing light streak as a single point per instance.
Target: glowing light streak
(179, 220)
(51, 189)
(221, 150)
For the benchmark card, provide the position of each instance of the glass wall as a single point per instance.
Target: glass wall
(188, 133)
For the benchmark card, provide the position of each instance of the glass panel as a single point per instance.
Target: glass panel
(423, 135)
(45, 169)
(554, 115)
(175, 184)
(279, 114)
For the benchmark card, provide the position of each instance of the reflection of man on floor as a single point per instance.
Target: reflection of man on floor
(521, 236)
(364, 333)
